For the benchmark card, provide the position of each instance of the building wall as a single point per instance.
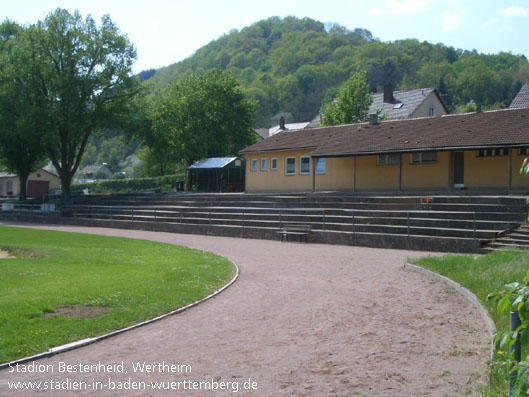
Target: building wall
(486, 171)
(3, 186)
(339, 173)
(39, 175)
(276, 180)
(370, 176)
(431, 101)
(518, 180)
(480, 172)
(428, 176)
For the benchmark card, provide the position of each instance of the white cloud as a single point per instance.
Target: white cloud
(401, 7)
(514, 11)
(451, 18)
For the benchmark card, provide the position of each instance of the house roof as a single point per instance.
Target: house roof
(213, 162)
(262, 132)
(289, 126)
(521, 100)
(500, 128)
(403, 104)
(10, 175)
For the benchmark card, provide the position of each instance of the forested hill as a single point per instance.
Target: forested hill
(291, 65)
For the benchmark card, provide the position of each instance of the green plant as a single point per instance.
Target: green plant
(162, 183)
(515, 296)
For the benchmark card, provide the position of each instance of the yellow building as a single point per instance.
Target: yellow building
(39, 183)
(471, 151)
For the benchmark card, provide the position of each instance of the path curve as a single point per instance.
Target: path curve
(303, 320)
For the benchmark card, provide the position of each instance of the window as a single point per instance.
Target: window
(254, 165)
(304, 165)
(1, 188)
(522, 152)
(9, 188)
(273, 164)
(431, 112)
(493, 152)
(388, 159)
(264, 164)
(290, 166)
(320, 166)
(423, 158)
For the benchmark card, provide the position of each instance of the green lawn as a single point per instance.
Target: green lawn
(483, 275)
(135, 279)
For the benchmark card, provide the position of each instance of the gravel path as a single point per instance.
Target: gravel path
(302, 320)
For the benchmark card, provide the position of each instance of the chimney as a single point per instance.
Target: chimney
(478, 107)
(373, 119)
(388, 93)
(282, 123)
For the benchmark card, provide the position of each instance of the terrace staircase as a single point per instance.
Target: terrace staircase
(440, 222)
(517, 238)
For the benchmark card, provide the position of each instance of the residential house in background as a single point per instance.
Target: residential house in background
(282, 126)
(471, 151)
(39, 183)
(90, 171)
(396, 105)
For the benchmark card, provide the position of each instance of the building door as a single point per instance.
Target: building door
(459, 169)
(38, 188)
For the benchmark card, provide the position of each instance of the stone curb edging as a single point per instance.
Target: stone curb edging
(469, 295)
(84, 342)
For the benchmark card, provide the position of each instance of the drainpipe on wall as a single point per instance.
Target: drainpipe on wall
(400, 172)
(314, 160)
(354, 173)
(510, 169)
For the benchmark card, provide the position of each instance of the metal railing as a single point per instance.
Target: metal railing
(409, 222)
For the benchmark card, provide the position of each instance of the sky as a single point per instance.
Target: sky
(165, 31)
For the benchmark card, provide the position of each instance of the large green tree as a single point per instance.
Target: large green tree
(351, 105)
(21, 112)
(85, 83)
(201, 115)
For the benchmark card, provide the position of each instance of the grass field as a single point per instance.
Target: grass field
(483, 275)
(119, 281)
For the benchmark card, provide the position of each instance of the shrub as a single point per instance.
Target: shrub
(161, 183)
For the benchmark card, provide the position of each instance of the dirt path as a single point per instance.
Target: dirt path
(302, 320)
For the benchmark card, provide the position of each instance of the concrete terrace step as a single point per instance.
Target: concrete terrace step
(449, 222)
(348, 221)
(284, 200)
(401, 228)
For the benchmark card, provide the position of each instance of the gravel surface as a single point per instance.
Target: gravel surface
(302, 320)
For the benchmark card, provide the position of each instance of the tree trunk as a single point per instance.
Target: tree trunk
(23, 178)
(65, 184)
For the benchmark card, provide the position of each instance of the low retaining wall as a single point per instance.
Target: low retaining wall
(420, 243)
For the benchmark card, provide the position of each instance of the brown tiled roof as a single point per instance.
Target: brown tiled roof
(462, 131)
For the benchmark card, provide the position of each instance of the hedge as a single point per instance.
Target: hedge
(161, 183)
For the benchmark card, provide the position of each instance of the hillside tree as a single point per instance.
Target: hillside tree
(351, 105)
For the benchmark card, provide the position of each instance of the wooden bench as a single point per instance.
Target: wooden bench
(295, 229)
